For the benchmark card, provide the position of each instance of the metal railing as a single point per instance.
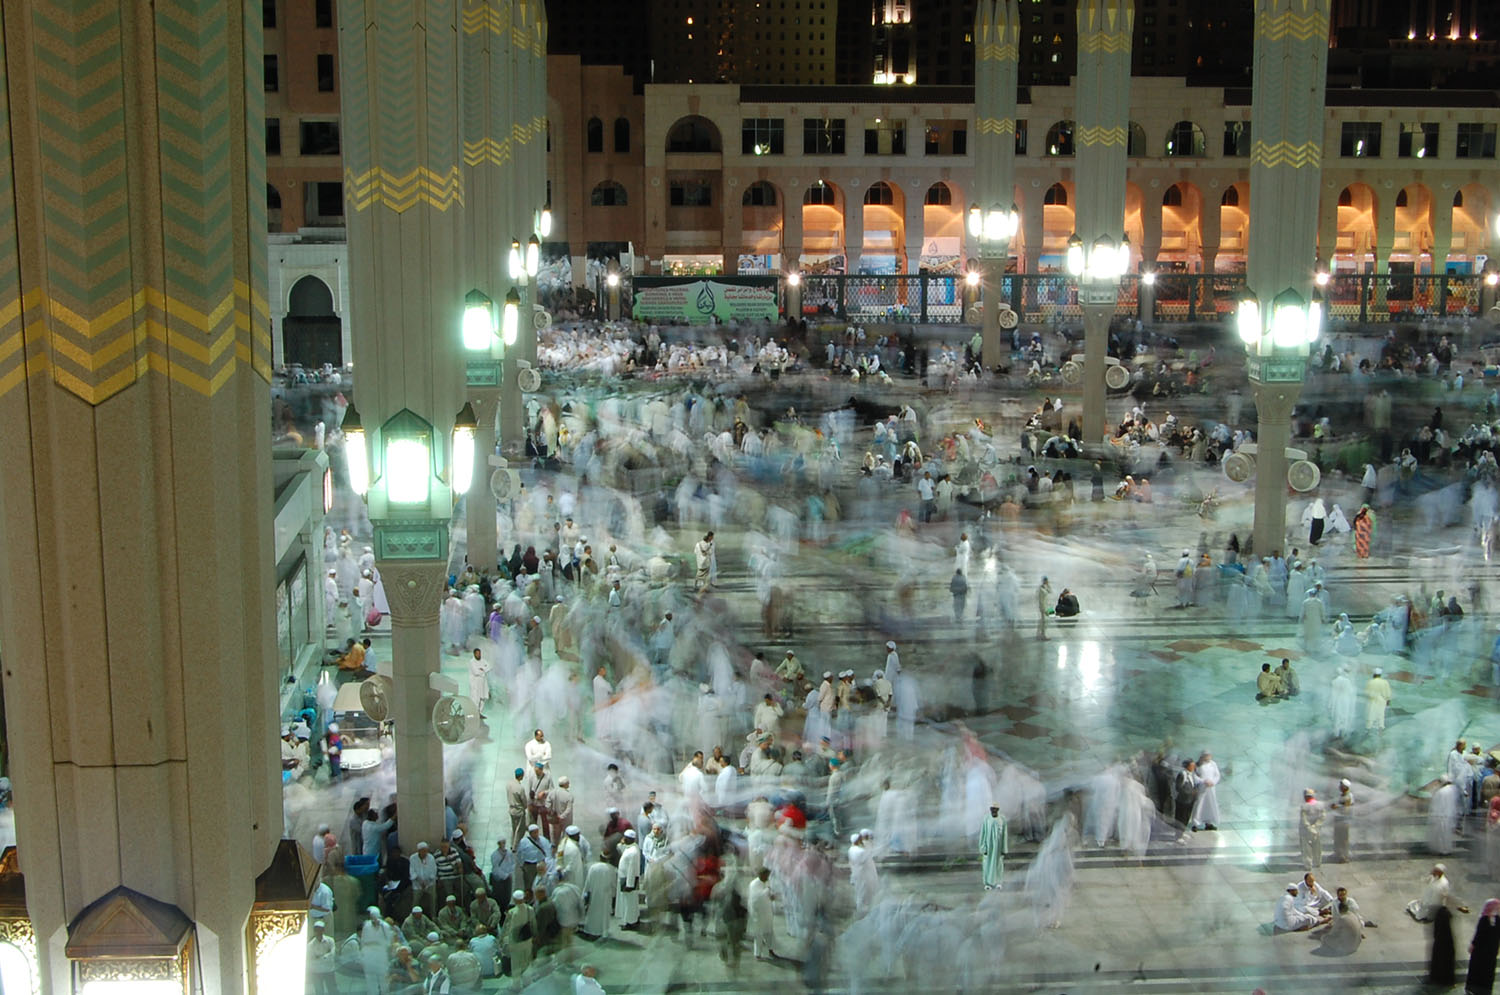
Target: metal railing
(1050, 298)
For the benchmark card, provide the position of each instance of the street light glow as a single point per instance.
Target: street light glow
(511, 318)
(533, 256)
(464, 427)
(515, 262)
(354, 451)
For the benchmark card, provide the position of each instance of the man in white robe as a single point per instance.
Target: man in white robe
(863, 873)
(479, 679)
(1206, 807)
(761, 926)
(892, 664)
(628, 880)
(1442, 817)
(599, 886)
(1437, 891)
(1291, 917)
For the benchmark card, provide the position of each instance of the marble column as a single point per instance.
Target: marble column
(405, 205)
(415, 590)
(1102, 134)
(135, 499)
(1291, 57)
(479, 505)
(996, 59)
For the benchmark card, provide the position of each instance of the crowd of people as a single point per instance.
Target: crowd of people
(672, 779)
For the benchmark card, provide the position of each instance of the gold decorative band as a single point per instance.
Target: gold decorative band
(1287, 24)
(1102, 136)
(1107, 44)
(1000, 52)
(83, 355)
(1275, 154)
(996, 126)
(401, 193)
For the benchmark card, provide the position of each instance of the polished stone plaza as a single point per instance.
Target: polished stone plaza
(1131, 676)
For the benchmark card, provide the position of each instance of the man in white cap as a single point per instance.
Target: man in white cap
(768, 714)
(863, 873)
(761, 927)
(1310, 829)
(415, 928)
(892, 663)
(533, 852)
(376, 943)
(790, 669)
(1290, 916)
(424, 873)
(322, 961)
(1343, 815)
(570, 856)
(518, 923)
(627, 895)
(827, 698)
(884, 690)
(560, 808)
(1377, 698)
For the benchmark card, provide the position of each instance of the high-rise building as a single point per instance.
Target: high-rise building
(617, 33)
(742, 41)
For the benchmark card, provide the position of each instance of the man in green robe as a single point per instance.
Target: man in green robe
(994, 844)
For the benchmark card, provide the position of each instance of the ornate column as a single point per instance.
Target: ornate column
(997, 55)
(854, 226)
(135, 403)
(1291, 56)
(488, 128)
(1103, 131)
(405, 202)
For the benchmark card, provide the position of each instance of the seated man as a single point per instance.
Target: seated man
(1290, 685)
(1291, 917)
(1268, 685)
(1067, 604)
(1436, 892)
(1313, 897)
(352, 660)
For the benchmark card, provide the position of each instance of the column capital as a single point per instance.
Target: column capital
(414, 588)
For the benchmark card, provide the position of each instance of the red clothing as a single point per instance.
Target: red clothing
(790, 813)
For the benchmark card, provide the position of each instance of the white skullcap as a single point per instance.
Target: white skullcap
(372, 911)
(533, 828)
(518, 896)
(854, 838)
(1378, 671)
(630, 834)
(537, 619)
(879, 674)
(572, 830)
(416, 909)
(286, 730)
(422, 845)
(703, 687)
(333, 727)
(890, 644)
(433, 937)
(827, 674)
(1344, 782)
(1294, 886)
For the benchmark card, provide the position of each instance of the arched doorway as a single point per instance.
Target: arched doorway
(1471, 212)
(822, 229)
(1234, 228)
(884, 229)
(311, 331)
(761, 218)
(942, 229)
(1355, 252)
(1181, 234)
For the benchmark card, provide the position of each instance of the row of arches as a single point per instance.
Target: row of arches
(593, 135)
(1188, 228)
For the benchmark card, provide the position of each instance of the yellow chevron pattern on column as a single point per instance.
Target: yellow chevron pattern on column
(999, 51)
(995, 126)
(487, 150)
(401, 193)
(1102, 136)
(1291, 24)
(1107, 44)
(486, 18)
(203, 367)
(1274, 154)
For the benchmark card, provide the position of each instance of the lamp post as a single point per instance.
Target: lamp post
(410, 504)
(612, 291)
(993, 229)
(793, 294)
(1277, 341)
(483, 368)
(1098, 269)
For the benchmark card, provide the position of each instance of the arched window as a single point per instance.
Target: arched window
(1346, 197)
(1060, 139)
(1137, 144)
(1231, 198)
(1056, 196)
(595, 135)
(1173, 196)
(1186, 139)
(819, 193)
(693, 135)
(759, 194)
(1401, 199)
(608, 194)
(879, 193)
(938, 195)
(273, 198)
(622, 134)
(310, 297)
(1458, 199)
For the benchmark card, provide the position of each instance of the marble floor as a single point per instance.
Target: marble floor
(1131, 674)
